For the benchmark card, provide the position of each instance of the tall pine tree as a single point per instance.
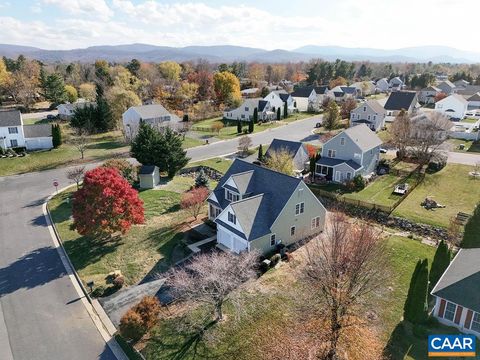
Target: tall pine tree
(250, 126)
(415, 308)
(260, 153)
(255, 115)
(285, 110)
(56, 135)
(440, 262)
(278, 114)
(239, 126)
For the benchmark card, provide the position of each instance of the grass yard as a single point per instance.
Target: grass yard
(470, 146)
(189, 142)
(154, 246)
(230, 132)
(451, 186)
(470, 120)
(219, 164)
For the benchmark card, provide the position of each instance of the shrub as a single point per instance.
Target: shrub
(350, 185)
(359, 182)
(131, 326)
(118, 282)
(98, 292)
(201, 179)
(148, 309)
(264, 267)
(275, 259)
(437, 164)
(126, 169)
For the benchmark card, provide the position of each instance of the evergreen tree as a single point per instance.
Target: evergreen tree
(53, 88)
(175, 157)
(239, 127)
(260, 153)
(250, 126)
(142, 147)
(201, 179)
(415, 309)
(440, 262)
(104, 120)
(278, 114)
(185, 118)
(285, 110)
(471, 239)
(255, 115)
(56, 135)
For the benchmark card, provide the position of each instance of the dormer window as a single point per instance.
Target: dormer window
(232, 218)
(231, 196)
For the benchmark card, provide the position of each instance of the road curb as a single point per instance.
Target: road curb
(103, 326)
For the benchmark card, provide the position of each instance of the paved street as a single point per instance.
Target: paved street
(41, 316)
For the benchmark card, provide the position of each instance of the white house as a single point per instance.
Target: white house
(304, 97)
(453, 106)
(278, 98)
(474, 101)
(382, 85)
(427, 95)
(66, 111)
(154, 115)
(14, 134)
(396, 84)
(245, 111)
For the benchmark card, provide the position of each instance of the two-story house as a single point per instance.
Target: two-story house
(401, 100)
(245, 111)
(296, 149)
(427, 95)
(354, 151)
(457, 293)
(256, 208)
(370, 113)
(304, 97)
(454, 106)
(278, 98)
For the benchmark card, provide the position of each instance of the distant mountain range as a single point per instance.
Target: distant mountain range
(229, 53)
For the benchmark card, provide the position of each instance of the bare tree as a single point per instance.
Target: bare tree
(210, 278)
(243, 144)
(281, 161)
(427, 134)
(80, 142)
(343, 266)
(400, 133)
(76, 174)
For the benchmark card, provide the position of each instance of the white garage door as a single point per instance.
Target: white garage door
(38, 143)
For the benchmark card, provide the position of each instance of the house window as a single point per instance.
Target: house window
(332, 153)
(292, 231)
(450, 311)
(349, 175)
(364, 108)
(13, 130)
(246, 108)
(476, 322)
(243, 116)
(374, 117)
(299, 208)
(273, 240)
(358, 116)
(13, 143)
(232, 196)
(232, 218)
(315, 222)
(342, 141)
(368, 117)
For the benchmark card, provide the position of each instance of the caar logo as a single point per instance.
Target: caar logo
(451, 345)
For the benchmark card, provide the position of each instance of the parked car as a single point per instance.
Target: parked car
(51, 117)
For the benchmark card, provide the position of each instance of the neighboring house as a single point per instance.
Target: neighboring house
(342, 93)
(382, 85)
(251, 92)
(364, 88)
(295, 148)
(354, 151)
(474, 101)
(461, 84)
(149, 176)
(256, 208)
(245, 111)
(401, 100)
(453, 106)
(11, 129)
(304, 97)
(447, 87)
(370, 113)
(396, 84)
(423, 121)
(66, 111)
(154, 115)
(14, 134)
(457, 293)
(38, 137)
(427, 95)
(468, 90)
(278, 98)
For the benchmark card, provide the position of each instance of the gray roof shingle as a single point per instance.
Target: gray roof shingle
(10, 118)
(36, 131)
(460, 283)
(284, 145)
(361, 135)
(153, 111)
(399, 100)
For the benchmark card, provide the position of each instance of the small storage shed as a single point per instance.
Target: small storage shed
(149, 176)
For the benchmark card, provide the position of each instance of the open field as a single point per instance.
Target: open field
(452, 187)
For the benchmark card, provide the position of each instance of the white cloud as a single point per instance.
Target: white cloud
(92, 8)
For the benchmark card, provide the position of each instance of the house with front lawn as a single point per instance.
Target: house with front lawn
(370, 113)
(354, 151)
(255, 208)
(278, 98)
(401, 100)
(454, 106)
(296, 149)
(154, 115)
(245, 111)
(457, 293)
(427, 95)
(305, 98)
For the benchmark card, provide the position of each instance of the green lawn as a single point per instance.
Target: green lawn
(470, 120)
(155, 245)
(470, 146)
(451, 186)
(230, 132)
(219, 164)
(189, 142)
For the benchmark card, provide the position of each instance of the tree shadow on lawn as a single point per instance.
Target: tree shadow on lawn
(85, 251)
(36, 268)
(107, 145)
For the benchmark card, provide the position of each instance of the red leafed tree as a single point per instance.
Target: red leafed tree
(106, 204)
(312, 151)
(193, 200)
(440, 96)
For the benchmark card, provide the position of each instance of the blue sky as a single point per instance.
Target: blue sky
(286, 24)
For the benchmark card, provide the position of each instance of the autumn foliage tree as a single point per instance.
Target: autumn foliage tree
(193, 200)
(105, 204)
